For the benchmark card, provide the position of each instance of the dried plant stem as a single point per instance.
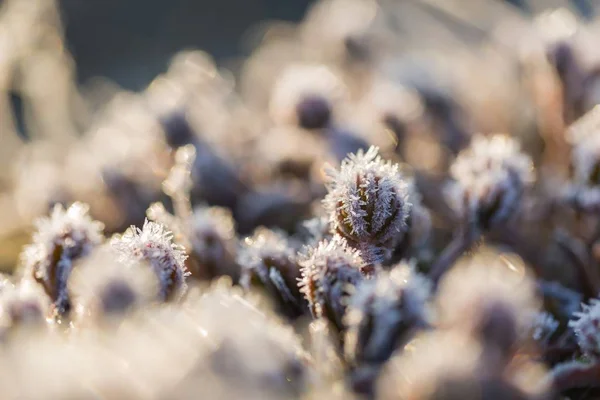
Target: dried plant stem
(461, 243)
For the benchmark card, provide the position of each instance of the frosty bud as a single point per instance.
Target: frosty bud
(59, 241)
(154, 245)
(490, 297)
(490, 178)
(368, 203)
(102, 286)
(330, 271)
(586, 326)
(305, 95)
(382, 311)
(267, 261)
(212, 237)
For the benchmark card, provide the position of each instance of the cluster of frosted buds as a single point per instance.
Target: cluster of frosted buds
(102, 286)
(22, 305)
(59, 241)
(490, 298)
(153, 244)
(586, 326)
(368, 204)
(490, 178)
(267, 261)
(330, 272)
(382, 312)
(304, 95)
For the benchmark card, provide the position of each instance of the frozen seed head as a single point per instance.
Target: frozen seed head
(383, 311)
(330, 272)
(153, 244)
(267, 261)
(490, 297)
(490, 178)
(586, 325)
(59, 241)
(103, 286)
(368, 204)
(305, 95)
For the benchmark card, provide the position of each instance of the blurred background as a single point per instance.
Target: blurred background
(130, 42)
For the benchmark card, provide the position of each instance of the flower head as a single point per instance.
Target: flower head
(60, 240)
(305, 95)
(586, 326)
(267, 260)
(489, 179)
(330, 271)
(382, 311)
(103, 286)
(368, 203)
(490, 297)
(154, 244)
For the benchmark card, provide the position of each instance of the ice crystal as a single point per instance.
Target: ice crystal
(586, 325)
(382, 311)
(267, 260)
(368, 203)
(489, 180)
(330, 271)
(154, 244)
(59, 241)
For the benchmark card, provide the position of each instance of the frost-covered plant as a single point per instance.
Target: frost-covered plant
(586, 325)
(450, 366)
(59, 241)
(330, 273)
(103, 286)
(368, 204)
(305, 95)
(490, 178)
(490, 297)
(584, 193)
(267, 261)
(23, 304)
(383, 311)
(153, 244)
